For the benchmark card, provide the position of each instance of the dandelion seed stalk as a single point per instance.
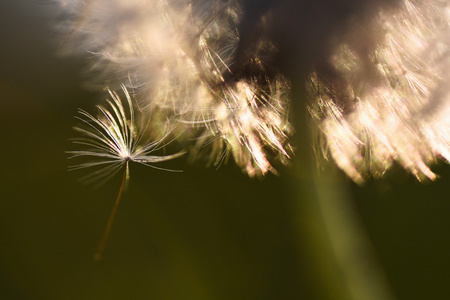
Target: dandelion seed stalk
(101, 246)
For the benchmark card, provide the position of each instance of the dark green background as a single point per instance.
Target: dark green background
(201, 234)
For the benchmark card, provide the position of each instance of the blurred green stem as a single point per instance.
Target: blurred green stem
(341, 258)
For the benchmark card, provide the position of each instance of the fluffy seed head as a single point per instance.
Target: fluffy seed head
(378, 88)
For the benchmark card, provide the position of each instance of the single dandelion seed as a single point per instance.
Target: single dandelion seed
(113, 140)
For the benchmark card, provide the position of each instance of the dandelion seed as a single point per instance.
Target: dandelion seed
(113, 140)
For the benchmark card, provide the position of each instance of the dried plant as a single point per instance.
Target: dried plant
(376, 76)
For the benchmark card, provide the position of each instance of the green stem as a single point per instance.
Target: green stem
(341, 258)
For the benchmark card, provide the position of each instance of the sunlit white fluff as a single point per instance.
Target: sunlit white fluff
(250, 124)
(401, 112)
(390, 105)
(175, 56)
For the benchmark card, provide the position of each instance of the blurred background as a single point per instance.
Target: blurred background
(201, 234)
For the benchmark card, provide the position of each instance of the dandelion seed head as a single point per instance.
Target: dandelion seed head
(378, 88)
(397, 116)
(178, 57)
